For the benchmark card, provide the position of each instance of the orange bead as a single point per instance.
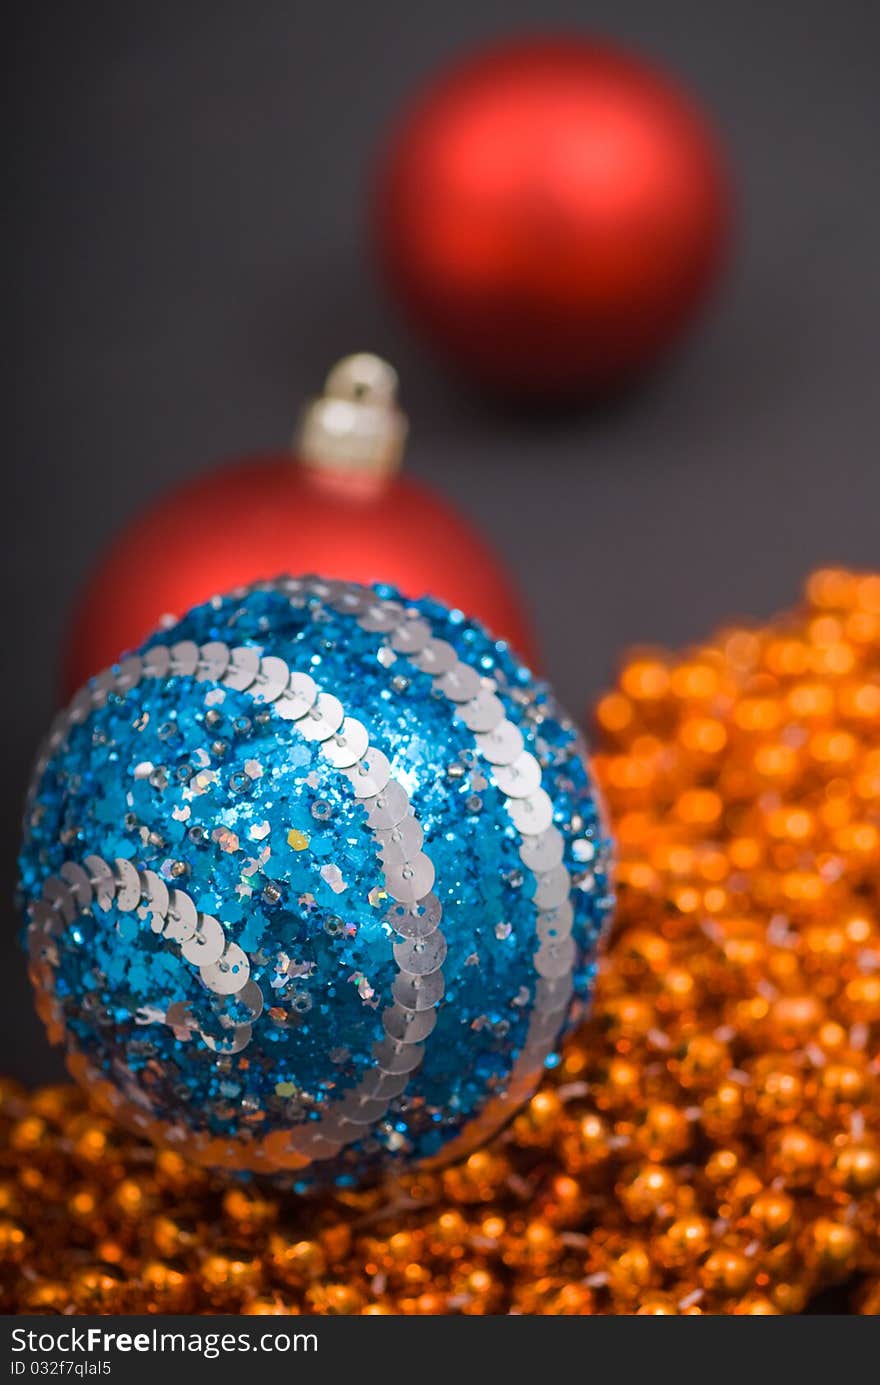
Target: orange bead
(296, 1262)
(90, 1143)
(694, 682)
(645, 680)
(704, 1059)
(543, 1112)
(789, 1298)
(663, 1131)
(647, 1190)
(541, 1243)
(171, 1235)
(587, 1145)
(722, 1166)
(55, 1104)
(626, 1017)
(832, 588)
(679, 989)
(614, 712)
(230, 1273)
(269, 1308)
(776, 762)
(247, 1210)
(165, 1288)
(867, 592)
(621, 1082)
(95, 1290)
(859, 929)
(403, 1246)
(742, 649)
(795, 1019)
(832, 747)
(859, 700)
(493, 1228)
(787, 658)
(862, 999)
(450, 1228)
(335, 1299)
(565, 1202)
(722, 1109)
(773, 1212)
(684, 1242)
(760, 714)
(857, 1166)
(13, 1242)
(811, 701)
(45, 1296)
(832, 1247)
(10, 1199)
(756, 1305)
(336, 1239)
(28, 1135)
(779, 1093)
(727, 1272)
(83, 1203)
(571, 1300)
(131, 1199)
(843, 1083)
(630, 1272)
(703, 735)
(657, 1305)
(868, 1300)
(796, 1156)
(699, 807)
(832, 1037)
(645, 949)
(743, 1187)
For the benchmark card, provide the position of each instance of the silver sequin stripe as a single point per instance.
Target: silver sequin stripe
(408, 871)
(517, 773)
(201, 939)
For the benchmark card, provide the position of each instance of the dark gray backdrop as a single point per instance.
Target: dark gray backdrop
(185, 256)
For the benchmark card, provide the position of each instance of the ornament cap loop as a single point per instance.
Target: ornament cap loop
(355, 430)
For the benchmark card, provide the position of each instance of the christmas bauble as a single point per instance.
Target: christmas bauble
(550, 213)
(314, 881)
(334, 505)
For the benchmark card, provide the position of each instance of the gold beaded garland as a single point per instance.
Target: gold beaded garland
(710, 1142)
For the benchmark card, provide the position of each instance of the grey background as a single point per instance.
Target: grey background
(185, 255)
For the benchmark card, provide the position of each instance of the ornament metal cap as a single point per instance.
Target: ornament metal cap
(355, 429)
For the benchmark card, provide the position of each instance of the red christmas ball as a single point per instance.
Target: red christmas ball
(551, 213)
(336, 508)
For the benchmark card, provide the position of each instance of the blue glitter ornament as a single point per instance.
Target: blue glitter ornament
(314, 882)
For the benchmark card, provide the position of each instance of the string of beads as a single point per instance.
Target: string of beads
(710, 1141)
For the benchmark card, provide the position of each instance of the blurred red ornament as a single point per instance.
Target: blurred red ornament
(551, 212)
(335, 507)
